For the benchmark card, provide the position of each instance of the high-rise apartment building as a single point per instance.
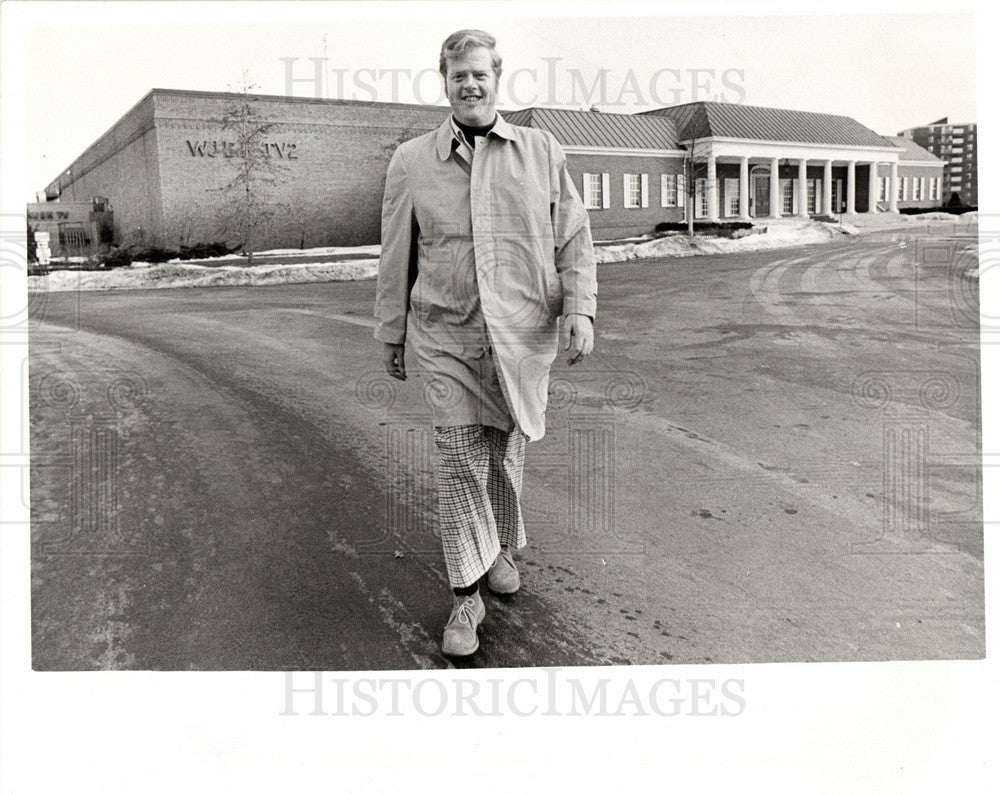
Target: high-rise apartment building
(955, 144)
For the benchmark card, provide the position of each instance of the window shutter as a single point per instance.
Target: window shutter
(588, 197)
(680, 190)
(663, 190)
(644, 188)
(795, 197)
(606, 191)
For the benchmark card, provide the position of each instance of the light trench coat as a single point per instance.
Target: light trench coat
(478, 263)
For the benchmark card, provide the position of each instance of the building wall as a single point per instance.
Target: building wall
(911, 172)
(122, 165)
(617, 220)
(329, 162)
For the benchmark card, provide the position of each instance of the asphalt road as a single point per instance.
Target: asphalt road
(770, 457)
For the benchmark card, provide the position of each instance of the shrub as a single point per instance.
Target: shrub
(153, 254)
(719, 229)
(205, 250)
(120, 257)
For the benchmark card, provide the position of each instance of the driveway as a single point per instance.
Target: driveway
(770, 457)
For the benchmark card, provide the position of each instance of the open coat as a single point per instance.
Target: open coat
(478, 263)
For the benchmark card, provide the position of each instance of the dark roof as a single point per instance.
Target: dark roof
(913, 151)
(730, 120)
(590, 128)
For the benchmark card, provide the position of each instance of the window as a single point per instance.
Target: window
(592, 191)
(883, 188)
(700, 199)
(596, 191)
(817, 190)
(631, 191)
(923, 188)
(635, 190)
(811, 194)
(901, 192)
(670, 191)
(787, 200)
(915, 191)
(731, 192)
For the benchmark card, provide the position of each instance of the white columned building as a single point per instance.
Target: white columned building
(746, 151)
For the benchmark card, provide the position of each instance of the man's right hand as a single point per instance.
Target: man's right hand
(392, 355)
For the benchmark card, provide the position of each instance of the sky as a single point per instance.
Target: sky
(889, 71)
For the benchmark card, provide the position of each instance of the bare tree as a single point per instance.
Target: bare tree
(693, 171)
(250, 213)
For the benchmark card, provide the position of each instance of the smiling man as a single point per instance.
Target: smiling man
(485, 246)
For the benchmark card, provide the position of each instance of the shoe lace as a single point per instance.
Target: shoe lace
(464, 612)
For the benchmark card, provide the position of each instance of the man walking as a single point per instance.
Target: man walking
(485, 244)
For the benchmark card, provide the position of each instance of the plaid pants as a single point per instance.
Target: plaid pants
(479, 497)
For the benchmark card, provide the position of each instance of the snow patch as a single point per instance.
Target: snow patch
(776, 235)
(178, 274)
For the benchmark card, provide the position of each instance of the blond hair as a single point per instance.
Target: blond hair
(462, 40)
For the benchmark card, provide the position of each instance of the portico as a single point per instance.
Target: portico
(745, 180)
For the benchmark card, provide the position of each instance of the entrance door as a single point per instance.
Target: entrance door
(761, 196)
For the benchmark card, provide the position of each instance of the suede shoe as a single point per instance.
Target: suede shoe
(460, 638)
(502, 576)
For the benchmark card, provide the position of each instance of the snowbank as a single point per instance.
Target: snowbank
(171, 274)
(965, 217)
(778, 235)
(291, 253)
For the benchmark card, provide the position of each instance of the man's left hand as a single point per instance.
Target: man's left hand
(578, 336)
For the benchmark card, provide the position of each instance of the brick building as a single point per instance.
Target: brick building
(165, 165)
(957, 146)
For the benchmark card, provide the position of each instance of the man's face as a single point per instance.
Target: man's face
(471, 86)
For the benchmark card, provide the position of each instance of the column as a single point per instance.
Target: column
(828, 187)
(894, 187)
(712, 190)
(775, 192)
(850, 187)
(803, 190)
(872, 188)
(744, 188)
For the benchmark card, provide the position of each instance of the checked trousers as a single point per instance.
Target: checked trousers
(479, 497)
